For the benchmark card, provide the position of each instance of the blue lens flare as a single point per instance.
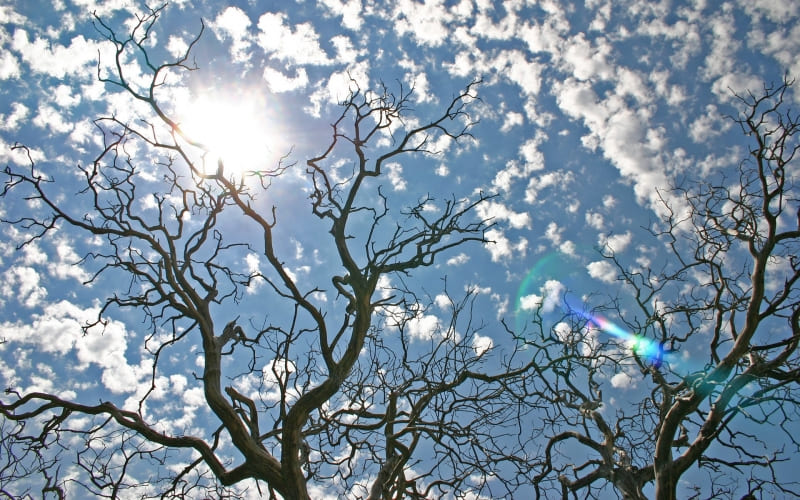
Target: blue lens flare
(649, 350)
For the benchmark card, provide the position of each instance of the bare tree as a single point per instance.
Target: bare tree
(344, 402)
(715, 344)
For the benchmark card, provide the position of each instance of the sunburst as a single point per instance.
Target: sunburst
(235, 130)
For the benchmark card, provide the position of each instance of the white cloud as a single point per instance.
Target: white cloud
(504, 179)
(500, 212)
(485, 27)
(232, 23)
(564, 333)
(623, 380)
(424, 326)
(57, 330)
(708, 125)
(418, 324)
(532, 161)
(19, 156)
(559, 179)
(567, 248)
(278, 82)
(298, 44)
(9, 66)
(67, 264)
(22, 283)
(500, 247)
(427, 22)
(19, 112)
(177, 46)
(33, 254)
(105, 8)
(630, 82)
(553, 233)
(458, 260)
(511, 120)
(548, 299)
(194, 397)
(623, 135)
(48, 57)
(594, 220)
(395, 174)
(530, 302)
(481, 343)
(50, 118)
(64, 97)
(533, 158)
(342, 83)
(514, 65)
(253, 264)
(586, 61)
(348, 10)
(345, 52)
(421, 86)
(616, 242)
(603, 271)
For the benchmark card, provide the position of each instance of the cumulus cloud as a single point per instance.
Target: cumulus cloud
(66, 266)
(594, 220)
(12, 121)
(500, 247)
(426, 22)
(481, 343)
(253, 264)
(56, 60)
(348, 10)
(708, 125)
(587, 59)
(616, 242)
(394, 172)
(458, 260)
(22, 283)
(548, 298)
(419, 324)
(50, 118)
(58, 330)
(278, 82)
(514, 65)
(9, 66)
(232, 23)
(603, 271)
(497, 211)
(559, 179)
(297, 44)
(623, 380)
(345, 52)
(622, 135)
(553, 233)
(511, 120)
(532, 160)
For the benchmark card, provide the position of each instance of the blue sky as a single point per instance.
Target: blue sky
(588, 113)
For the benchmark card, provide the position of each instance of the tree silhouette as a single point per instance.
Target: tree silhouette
(343, 400)
(714, 340)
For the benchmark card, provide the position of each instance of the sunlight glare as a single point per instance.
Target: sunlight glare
(235, 129)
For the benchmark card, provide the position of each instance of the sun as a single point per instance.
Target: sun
(235, 129)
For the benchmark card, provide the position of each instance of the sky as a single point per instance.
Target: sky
(588, 113)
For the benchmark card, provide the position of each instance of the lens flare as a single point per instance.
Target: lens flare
(538, 291)
(647, 349)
